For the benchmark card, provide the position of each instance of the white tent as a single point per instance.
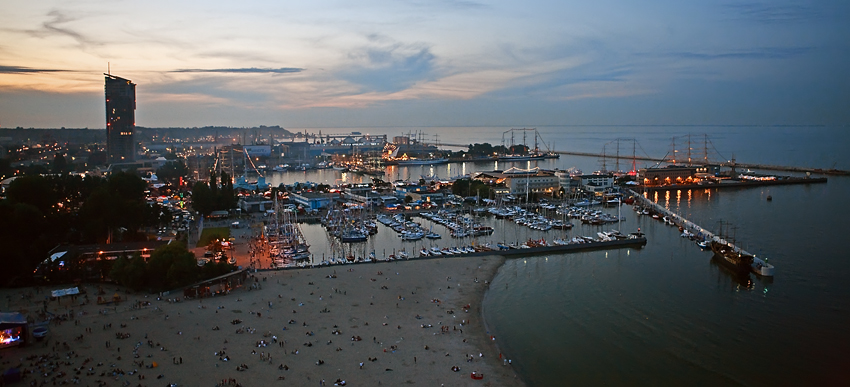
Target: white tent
(65, 292)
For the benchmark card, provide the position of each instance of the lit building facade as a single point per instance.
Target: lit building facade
(669, 175)
(120, 119)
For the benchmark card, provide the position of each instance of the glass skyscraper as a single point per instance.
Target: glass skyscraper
(120, 119)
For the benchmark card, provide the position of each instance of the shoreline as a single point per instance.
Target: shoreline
(495, 352)
(385, 324)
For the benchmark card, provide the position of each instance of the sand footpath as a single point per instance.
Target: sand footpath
(393, 323)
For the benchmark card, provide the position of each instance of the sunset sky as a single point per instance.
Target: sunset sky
(442, 62)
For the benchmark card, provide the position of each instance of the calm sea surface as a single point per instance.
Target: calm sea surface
(667, 314)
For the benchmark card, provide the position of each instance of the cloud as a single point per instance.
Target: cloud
(211, 89)
(26, 70)
(451, 4)
(390, 68)
(769, 12)
(758, 53)
(248, 70)
(56, 26)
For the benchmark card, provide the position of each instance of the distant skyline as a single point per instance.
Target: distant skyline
(428, 63)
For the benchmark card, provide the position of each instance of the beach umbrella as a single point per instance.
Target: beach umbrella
(154, 365)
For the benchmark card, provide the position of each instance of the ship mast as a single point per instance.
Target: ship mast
(673, 145)
(604, 166)
(634, 155)
(536, 149)
(617, 163)
(523, 140)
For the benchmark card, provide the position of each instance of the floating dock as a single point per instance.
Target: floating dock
(760, 267)
(637, 242)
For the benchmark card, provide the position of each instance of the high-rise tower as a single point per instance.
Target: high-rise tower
(120, 119)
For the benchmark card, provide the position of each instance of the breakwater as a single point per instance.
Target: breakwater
(737, 184)
(768, 167)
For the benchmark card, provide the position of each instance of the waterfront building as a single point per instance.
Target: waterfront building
(334, 144)
(428, 197)
(595, 183)
(673, 174)
(520, 181)
(254, 203)
(76, 262)
(120, 119)
(138, 166)
(312, 200)
(708, 170)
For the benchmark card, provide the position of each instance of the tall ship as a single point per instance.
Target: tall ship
(532, 153)
(288, 243)
(410, 150)
(737, 259)
(733, 257)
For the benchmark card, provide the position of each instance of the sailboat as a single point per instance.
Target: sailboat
(286, 238)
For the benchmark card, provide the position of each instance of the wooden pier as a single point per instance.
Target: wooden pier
(674, 217)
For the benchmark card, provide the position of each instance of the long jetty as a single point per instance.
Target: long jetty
(674, 217)
(768, 167)
(696, 229)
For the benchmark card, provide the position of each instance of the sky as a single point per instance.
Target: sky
(372, 63)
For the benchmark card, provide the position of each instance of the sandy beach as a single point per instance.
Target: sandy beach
(388, 323)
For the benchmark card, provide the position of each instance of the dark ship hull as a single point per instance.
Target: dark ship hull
(731, 258)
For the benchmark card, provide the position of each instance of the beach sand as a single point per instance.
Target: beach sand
(300, 327)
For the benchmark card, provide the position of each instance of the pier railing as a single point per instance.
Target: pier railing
(681, 221)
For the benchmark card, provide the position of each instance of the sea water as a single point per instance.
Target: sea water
(668, 314)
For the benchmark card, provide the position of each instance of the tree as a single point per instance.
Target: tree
(117, 204)
(202, 198)
(129, 272)
(34, 190)
(5, 168)
(171, 266)
(469, 187)
(214, 185)
(23, 237)
(227, 195)
(172, 171)
(60, 165)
